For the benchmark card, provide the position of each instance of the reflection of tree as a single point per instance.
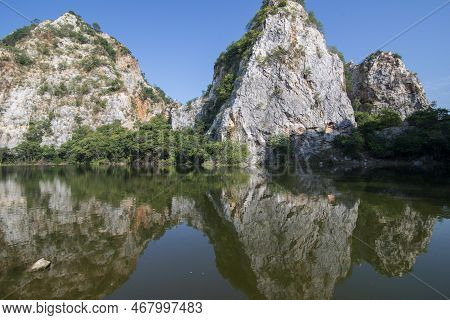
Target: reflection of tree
(393, 235)
(397, 215)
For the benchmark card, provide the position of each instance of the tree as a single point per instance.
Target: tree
(96, 27)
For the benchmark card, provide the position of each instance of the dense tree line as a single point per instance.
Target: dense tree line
(151, 144)
(384, 135)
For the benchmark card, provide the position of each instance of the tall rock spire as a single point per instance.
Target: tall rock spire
(279, 79)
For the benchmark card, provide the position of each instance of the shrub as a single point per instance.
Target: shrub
(386, 118)
(238, 51)
(147, 93)
(335, 50)
(30, 149)
(312, 20)
(67, 31)
(90, 63)
(280, 151)
(115, 85)
(16, 36)
(427, 118)
(110, 51)
(60, 90)
(96, 27)
(428, 135)
(225, 89)
(351, 145)
(379, 146)
(162, 95)
(23, 59)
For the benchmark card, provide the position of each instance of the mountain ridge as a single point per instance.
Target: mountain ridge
(279, 83)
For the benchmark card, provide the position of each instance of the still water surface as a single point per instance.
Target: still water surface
(123, 234)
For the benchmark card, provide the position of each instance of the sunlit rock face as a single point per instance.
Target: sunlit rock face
(290, 84)
(299, 245)
(383, 81)
(65, 74)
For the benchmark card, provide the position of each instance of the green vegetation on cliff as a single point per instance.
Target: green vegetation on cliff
(153, 144)
(383, 135)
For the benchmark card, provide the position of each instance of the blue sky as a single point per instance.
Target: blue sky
(178, 41)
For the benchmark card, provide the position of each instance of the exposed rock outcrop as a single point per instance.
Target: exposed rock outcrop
(63, 74)
(279, 79)
(383, 81)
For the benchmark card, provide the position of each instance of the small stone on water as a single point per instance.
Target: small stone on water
(40, 265)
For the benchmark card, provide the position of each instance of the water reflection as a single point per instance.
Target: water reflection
(269, 237)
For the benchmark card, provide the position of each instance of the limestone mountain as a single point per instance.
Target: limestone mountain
(279, 79)
(383, 81)
(62, 74)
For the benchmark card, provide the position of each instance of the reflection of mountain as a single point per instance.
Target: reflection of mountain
(273, 238)
(93, 233)
(298, 244)
(90, 243)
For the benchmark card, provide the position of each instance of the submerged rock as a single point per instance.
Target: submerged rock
(383, 81)
(40, 265)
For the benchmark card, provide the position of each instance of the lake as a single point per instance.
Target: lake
(129, 234)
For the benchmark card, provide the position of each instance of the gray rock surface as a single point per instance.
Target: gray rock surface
(383, 81)
(288, 85)
(77, 76)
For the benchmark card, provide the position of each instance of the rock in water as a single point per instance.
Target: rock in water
(279, 79)
(383, 81)
(40, 265)
(61, 74)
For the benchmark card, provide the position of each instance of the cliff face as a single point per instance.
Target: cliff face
(279, 79)
(64, 74)
(383, 81)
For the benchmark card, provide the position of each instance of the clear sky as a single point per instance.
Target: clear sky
(178, 41)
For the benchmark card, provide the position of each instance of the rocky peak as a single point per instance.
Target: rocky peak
(63, 74)
(69, 18)
(383, 81)
(280, 78)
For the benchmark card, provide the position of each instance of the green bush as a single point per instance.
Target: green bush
(115, 85)
(96, 27)
(280, 151)
(352, 145)
(23, 59)
(428, 135)
(30, 150)
(427, 118)
(110, 51)
(312, 20)
(238, 51)
(369, 123)
(225, 89)
(16, 36)
(90, 63)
